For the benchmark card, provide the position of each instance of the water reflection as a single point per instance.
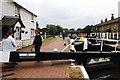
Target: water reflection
(108, 73)
(102, 77)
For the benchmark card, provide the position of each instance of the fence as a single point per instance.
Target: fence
(107, 35)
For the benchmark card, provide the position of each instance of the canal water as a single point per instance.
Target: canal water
(106, 74)
(112, 73)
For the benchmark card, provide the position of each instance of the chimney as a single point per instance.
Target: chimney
(101, 21)
(105, 19)
(112, 16)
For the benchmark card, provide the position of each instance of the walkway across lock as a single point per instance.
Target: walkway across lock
(80, 57)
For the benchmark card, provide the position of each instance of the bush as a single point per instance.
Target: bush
(50, 38)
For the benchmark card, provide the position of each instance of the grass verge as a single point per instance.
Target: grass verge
(50, 38)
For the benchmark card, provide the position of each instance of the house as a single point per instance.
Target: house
(110, 28)
(20, 20)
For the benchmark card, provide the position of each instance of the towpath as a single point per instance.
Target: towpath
(43, 69)
(50, 45)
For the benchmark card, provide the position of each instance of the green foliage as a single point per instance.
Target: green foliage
(50, 38)
(87, 29)
(37, 25)
(47, 26)
(59, 29)
(52, 30)
(79, 29)
(59, 36)
(66, 29)
(43, 30)
(72, 29)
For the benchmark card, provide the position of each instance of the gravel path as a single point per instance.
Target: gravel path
(50, 45)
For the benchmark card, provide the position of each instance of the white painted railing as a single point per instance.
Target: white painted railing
(24, 43)
(71, 41)
(107, 35)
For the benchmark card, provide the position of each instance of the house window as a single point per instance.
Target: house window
(32, 32)
(108, 27)
(115, 27)
(102, 29)
(17, 11)
(32, 18)
(96, 28)
(17, 35)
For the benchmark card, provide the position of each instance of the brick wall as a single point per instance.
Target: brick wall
(111, 27)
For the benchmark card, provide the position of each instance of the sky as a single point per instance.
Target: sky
(71, 13)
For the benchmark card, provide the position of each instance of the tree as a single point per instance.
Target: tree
(55, 29)
(79, 29)
(65, 29)
(47, 26)
(59, 29)
(52, 30)
(37, 25)
(72, 29)
(87, 29)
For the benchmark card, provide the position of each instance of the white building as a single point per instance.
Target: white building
(20, 20)
(119, 9)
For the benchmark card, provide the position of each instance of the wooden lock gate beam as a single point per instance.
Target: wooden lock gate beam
(79, 57)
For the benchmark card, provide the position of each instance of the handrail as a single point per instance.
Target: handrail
(18, 43)
(116, 46)
(102, 45)
(68, 45)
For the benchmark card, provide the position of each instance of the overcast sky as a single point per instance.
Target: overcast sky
(71, 13)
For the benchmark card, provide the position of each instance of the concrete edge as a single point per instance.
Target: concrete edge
(85, 74)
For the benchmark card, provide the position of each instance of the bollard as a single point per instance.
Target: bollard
(64, 43)
(55, 50)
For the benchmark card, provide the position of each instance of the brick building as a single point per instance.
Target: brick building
(110, 25)
(108, 28)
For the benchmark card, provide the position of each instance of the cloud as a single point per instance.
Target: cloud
(71, 13)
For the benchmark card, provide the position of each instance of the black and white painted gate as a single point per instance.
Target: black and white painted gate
(79, 57)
